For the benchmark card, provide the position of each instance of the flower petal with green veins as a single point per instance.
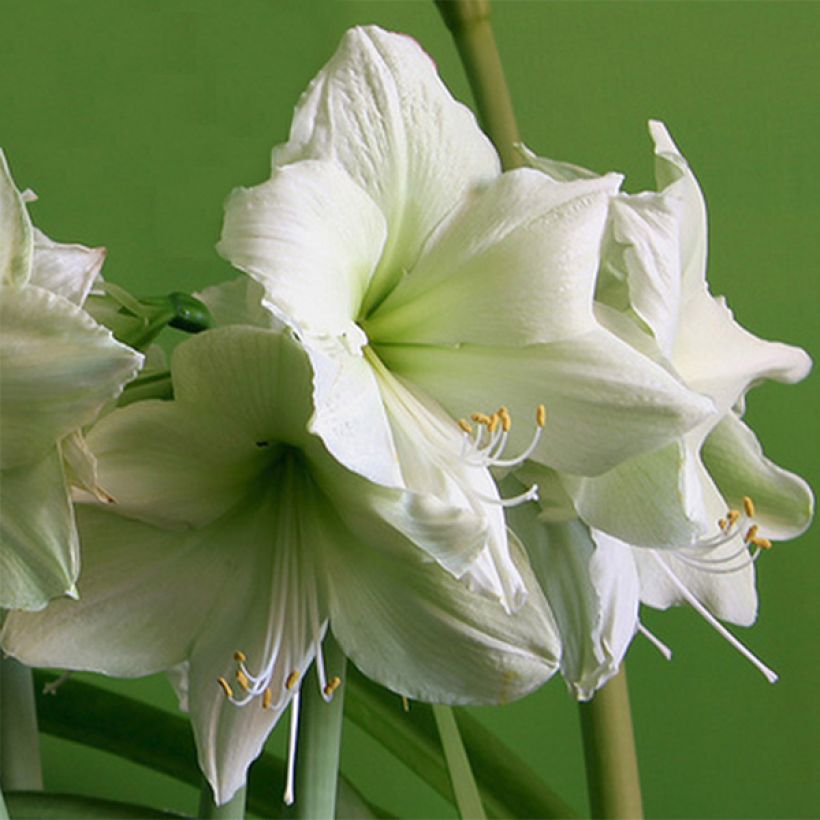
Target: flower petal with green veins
(379, 109)
(784, 502)
(514, 265)
(605, 402)
(385, 601)
(58, 368)
(39, 554)
(17, 245)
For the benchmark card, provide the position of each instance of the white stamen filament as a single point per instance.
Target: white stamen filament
(528, 495)
(655, 641)
(769, 674)
(290, 777)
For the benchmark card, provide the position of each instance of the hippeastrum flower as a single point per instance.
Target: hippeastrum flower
(237, 539)
(58, 368)
(432, 286)
(678, 524)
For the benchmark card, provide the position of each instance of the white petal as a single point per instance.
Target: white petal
(592, 589)
(605, 402)
(58, 369)
(238, 302)
(716, 356)
(379, 109)
(16, 242)
(144, 595)
(784, 502)
(412, 627)
(39, 554)
(514, 265)
(67, 270)
(312, 238)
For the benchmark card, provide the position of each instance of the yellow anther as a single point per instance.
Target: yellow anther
(405, 704)
(761, 543)
(226, 687)
(480, 418)
(242, 680)
(239, 656)
(267, 697)
(732, 517)
(723, 524)
(506, 419)
(293, 679)
(332, 685)
(751, 533)
(465, 425)
(749, 506)
(540, 415)
(494, 421)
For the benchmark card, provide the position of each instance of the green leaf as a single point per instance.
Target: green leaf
(466, 793)
(508, 786)
(40, 806)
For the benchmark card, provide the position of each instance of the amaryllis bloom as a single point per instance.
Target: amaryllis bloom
(237, 540)
(430, 285)
(685, 522)
(58, 369)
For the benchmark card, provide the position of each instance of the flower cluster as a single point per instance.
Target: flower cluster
(467, 420)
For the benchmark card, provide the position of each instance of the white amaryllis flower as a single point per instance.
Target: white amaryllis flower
(683, 523)
(431, 286)
(58, 368)
(237, 538)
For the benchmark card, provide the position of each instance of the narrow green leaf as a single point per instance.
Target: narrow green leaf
(41, 806)
(507, 785)
(19, 741)
(468, 800)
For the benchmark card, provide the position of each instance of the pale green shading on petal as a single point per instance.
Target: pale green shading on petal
(238, 302)
(784, 502)
(592, 588)
(39, 557)
(604, 401)
(58, 368)
(514, 265)
(17, 243)
(379, 109)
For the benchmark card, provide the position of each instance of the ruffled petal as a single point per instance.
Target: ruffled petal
(379, 109)
(415, 629)
(17, 246)
(312, 237)
(239, 302)
(39, 553)
(784, 501)
(58, 369)
(514, 265)
(605, 402)
(67, 270)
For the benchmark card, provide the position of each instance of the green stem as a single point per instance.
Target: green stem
(4, 814)
(468, 799)
(20, 767)
(469, 23)
(320, 734)
(234, 809)
(609, 748)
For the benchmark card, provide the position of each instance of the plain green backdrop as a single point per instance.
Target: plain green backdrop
(132, 120)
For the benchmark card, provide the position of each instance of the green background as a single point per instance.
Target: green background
(132, 120)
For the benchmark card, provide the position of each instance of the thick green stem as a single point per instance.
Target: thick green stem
(20, 768)
(320, 734)
(469, 23)
(465, 789)
(234, 809)
(609, 748)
